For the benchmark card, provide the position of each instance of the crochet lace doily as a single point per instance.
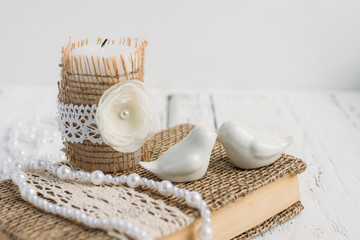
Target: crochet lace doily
(78, 123)
(153, 216)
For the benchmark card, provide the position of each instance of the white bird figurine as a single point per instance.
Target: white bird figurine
(248, 148)
(187, 160)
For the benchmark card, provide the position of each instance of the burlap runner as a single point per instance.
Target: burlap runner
(222, 184)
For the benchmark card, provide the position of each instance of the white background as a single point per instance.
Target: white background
(194, 44)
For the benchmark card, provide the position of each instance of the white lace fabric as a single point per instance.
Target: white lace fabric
(77, 123)
(154, 216)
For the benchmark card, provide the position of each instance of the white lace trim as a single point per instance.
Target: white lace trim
(78, 123)
(145, 212)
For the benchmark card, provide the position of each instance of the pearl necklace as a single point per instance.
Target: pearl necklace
(26, 141)
(193, 199)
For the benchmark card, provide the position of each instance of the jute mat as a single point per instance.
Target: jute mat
(223, 183)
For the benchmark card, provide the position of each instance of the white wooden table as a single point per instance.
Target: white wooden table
(326, 124)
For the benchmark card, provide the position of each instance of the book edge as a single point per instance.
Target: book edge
(255, 207)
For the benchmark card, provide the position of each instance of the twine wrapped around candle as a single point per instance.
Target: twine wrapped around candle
(84, 79)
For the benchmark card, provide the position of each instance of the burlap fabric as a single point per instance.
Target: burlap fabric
(222, 184)
(83, 81)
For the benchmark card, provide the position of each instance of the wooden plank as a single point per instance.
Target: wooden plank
(348, 103)
(195, 108)
(332, 149)
(160, 105)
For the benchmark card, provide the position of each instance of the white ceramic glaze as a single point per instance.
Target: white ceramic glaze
(248, 148)
(187, 160)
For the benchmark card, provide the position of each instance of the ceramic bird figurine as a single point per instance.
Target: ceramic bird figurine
(187, 160)
(248, 148)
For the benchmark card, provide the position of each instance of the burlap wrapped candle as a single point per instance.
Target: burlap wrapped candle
(87, 72)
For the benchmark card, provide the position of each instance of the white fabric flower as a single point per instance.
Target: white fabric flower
(125, 117)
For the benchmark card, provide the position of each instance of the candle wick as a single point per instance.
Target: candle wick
(103, 44)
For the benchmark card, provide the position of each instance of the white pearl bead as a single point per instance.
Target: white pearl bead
(103, 222)
(33, 199)
(150, 183)
(164, 187)
(39, 165)
(30, 191)
(123, 179)
(97, 222)
(57, 209)
(202, 205)
(54, 170)
(45, 204)
(181, 193)
(42, 203)
(63, 172)
(133, 180)
(118, 223)
(86, 176)
(205, 233)
(27, 192)
(64, 212)
(124, 114)
(175, 191)
(21, 184)
(46, 164)
(72, 176)
(128, 226)
(84, 218)
(193, 199)
(18, 176)
(16, 166)
(69, 212)
(30, 165)
(206, 221)
(53, 209)
(48, 207)
(76, 214)
(49, 168)
(79, 174)
(141, 235)
(107, 179)
(135, 231)
(91, 222)
(115, 181)
(88, 220)
(97, 177)
(205, 213)
(143, 181)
